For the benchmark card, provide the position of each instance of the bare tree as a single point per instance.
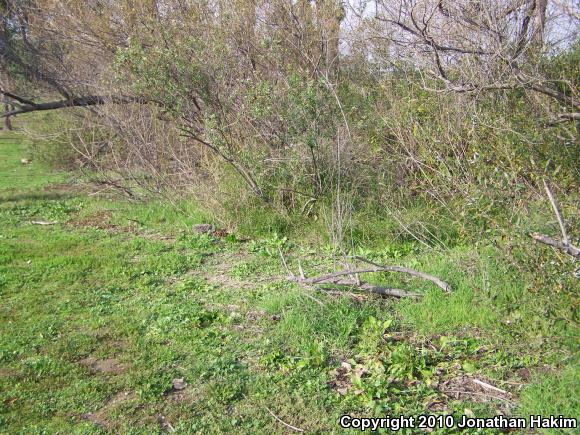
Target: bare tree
(475, 46)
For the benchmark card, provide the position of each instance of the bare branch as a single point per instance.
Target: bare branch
(440, 283)
(85, 101)
(547, 240)
(17, 97)
(336, 278)
(557, 212)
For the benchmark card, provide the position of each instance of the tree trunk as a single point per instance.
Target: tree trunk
(7, 120)
(330, 15)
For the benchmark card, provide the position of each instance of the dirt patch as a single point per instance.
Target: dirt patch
(255, 315)
(224, 262)
(102, 417)
(220, 279)
(190, 394)
(108, 366)
(6, 372)
(118, 344)
(525, 374)
(154, 235)
(100, 219)
(186, 395)
(220, 268)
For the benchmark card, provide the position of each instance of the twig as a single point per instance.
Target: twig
(301, 270)
(284, 262)
(440, 283)
(309, 202)
(43, 223)
(278, 419)
(557, 211)
(318, 301)
(473, 393)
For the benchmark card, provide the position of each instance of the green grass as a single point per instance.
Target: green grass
(104, 308)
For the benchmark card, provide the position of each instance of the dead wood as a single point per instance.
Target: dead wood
(26, 106)
(337, 279)
(558, 244)
(332, 278)
(440, 283)
(557, 212)
(384, 291)
(563, 245)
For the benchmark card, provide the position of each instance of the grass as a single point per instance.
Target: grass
(102, 310)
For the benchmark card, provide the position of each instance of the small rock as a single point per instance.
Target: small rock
(204, 229)
(179, 384)
(165, 423)
(345, 365)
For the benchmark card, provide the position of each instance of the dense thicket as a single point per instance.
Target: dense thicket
(312, 111)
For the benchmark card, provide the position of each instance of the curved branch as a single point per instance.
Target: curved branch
(334, 278)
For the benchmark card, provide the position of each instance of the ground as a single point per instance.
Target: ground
(118, 317)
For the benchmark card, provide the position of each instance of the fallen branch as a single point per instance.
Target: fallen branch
(384, 291)
(337, 279)
(440, 283)
(564, 244)
(557, 212)
(558, 244)
(43, 223)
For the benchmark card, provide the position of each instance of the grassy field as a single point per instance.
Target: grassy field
(117, 317)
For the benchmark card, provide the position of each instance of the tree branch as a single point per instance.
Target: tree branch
(557, 212)
(335, 278)
(17, 97)
(547, 240)
(84, 101)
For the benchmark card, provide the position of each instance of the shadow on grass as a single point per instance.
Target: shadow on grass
(36, 196)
